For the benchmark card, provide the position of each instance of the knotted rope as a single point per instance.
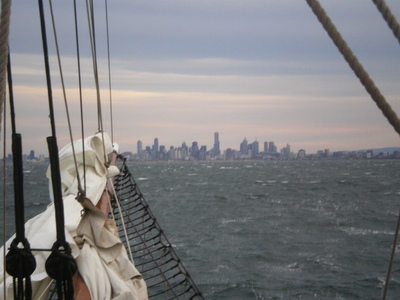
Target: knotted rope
(389, 17)
(355, 65)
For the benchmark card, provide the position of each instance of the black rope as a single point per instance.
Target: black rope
(20, 263)
(60, 265)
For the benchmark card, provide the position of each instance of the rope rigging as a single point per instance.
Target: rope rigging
(4, 201)
(4, 34)
(60, 265)
(355, 65)
(78, 59)
(81, 191)
(92, 34)
(20, 262)
(367, 82)
(389, 17)
(4, 41)
(109, 72)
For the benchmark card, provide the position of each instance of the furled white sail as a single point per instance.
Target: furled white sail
(101, 258)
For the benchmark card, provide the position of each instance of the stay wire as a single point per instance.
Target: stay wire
(92, 34)
(4, 42)
(109, 73)
(80, 93)
(80, 190)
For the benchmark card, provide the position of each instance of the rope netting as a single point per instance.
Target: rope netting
(153, 255)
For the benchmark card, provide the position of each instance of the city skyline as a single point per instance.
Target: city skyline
(266, 147)
(255, 69)
(155, 145)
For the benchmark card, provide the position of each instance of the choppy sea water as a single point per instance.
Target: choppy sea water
(271, 230)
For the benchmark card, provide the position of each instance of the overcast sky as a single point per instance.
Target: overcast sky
(182, 70)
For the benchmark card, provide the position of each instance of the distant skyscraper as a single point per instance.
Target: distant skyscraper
(255, 148)
(272, 147)
(139, 147)
(244, 149)
(194, 150)
(32, 155)
(195, 146)
(216, 144)
(286, 151)
(155, 146)
(184, 151)
(265, 147)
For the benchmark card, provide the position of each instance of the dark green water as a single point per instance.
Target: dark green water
(271, 230)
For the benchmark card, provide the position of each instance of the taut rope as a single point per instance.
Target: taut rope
(20, 262)
(78, 58)
(60, 265)
(109, 73)
(92, 34)
(81, 191)
(4, 203)
(355, 65)
(4, 33)
(389, 17)
(366, 82)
